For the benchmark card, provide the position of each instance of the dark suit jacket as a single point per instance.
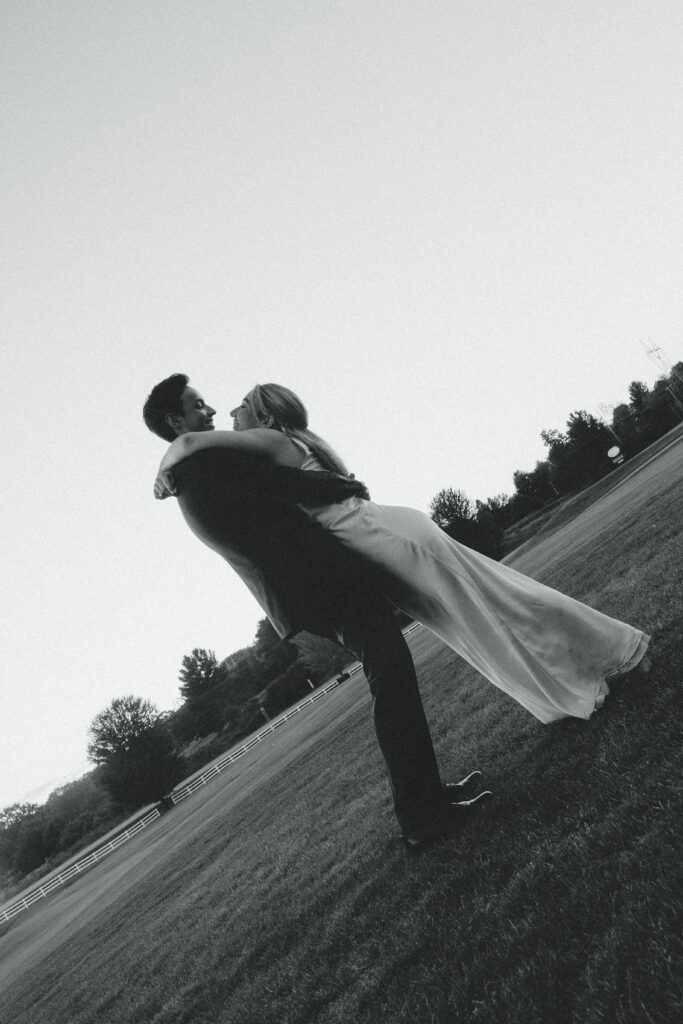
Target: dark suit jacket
(243, 507)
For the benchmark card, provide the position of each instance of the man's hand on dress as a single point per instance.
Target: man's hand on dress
(164, 485)
(315, 487)
(357, 488)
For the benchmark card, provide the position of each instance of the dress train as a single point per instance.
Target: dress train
(551, 653)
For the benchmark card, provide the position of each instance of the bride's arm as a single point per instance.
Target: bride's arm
(284, 482)
(258, 441)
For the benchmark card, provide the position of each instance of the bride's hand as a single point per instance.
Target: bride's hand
(164, 485)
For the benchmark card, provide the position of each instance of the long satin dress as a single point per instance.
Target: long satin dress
(552, 654)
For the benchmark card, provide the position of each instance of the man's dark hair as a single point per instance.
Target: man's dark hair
(163, 399)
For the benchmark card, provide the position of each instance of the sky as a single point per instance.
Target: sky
(446, 225)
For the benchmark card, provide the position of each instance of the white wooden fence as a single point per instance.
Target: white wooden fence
(232, 755)
(41, 891)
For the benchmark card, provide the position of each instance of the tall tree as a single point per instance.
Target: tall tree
(676, 380)
(489, 534)
(662, 409)
(452, 511)
(625, 426)
(241, 672)
(22, 846)
(536, 486)
(266, 637)
(637, 393)
(578, 457)
(114, 730)
(13, 822)
(591, 441)
(136, 751)
(449, 507)
(201, 678)
(198, 673)
(499, 506)
(12, 815)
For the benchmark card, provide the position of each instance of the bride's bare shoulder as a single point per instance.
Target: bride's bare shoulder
(284, 450)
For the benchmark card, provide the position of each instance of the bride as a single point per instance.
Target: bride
(550, 653)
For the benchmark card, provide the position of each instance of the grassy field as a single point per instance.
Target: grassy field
(281, 892)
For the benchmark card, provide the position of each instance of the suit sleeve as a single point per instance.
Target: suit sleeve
(309, 487)
(227, 479)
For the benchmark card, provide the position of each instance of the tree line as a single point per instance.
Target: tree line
(576, 458)
(139, 755)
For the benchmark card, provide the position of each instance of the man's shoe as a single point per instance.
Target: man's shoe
(449, 821)
(455, 792)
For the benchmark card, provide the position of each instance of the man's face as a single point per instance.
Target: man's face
(243, 417)
(196, 414)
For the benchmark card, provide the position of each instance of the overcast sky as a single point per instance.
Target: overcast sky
(445, 224)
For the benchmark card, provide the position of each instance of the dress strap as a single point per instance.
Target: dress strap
(300, 444)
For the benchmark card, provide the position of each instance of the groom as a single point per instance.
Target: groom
(244, 508)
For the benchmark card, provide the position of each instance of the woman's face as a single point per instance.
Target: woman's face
(243, 417)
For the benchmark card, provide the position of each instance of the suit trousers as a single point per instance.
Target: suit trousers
(368, 629)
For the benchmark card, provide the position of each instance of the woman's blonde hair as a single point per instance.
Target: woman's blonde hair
(288, 414)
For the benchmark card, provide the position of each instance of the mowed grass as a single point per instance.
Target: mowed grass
(281, 892)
